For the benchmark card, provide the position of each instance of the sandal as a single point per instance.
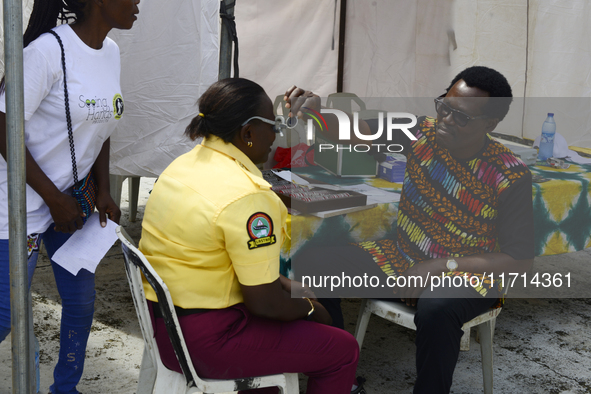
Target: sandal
(359, 389)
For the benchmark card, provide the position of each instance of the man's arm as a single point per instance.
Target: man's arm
(516, 240)
(488, 263)
(65, 211)
(297, 98)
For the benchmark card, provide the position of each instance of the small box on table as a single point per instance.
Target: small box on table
(392, 170)
(306, 200)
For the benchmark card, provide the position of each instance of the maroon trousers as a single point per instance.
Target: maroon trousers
(231, 343)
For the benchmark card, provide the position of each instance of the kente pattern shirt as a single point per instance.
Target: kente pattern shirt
(454, 208)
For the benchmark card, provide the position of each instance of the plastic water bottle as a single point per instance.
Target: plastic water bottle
(547, 140)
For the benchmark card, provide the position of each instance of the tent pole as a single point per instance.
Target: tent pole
(341, 59)
(22, 370)
(226, 42)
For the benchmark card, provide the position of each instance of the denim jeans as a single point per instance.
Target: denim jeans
(5, 298)
(77, 295)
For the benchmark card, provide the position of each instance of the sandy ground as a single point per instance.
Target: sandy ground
(540, 345)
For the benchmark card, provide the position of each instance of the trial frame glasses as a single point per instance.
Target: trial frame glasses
(279, 124)
(459, 117)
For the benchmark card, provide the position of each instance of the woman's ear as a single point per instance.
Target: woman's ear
(244, 136)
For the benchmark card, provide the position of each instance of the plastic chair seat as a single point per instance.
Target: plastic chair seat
(403, 315)
(154, 377)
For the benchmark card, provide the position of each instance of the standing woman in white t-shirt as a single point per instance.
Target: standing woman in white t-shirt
(93, 72)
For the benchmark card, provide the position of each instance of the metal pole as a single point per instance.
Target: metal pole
(19, 289)
(226, 45)
(341, 57)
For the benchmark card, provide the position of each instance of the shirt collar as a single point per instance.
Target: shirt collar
(229, 149)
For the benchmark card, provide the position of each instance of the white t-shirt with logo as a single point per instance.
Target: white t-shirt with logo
(93, 78)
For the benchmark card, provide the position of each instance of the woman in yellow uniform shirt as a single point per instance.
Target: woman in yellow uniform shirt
(212, 230)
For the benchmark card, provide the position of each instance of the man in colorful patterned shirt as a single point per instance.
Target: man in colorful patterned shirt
(465, 210)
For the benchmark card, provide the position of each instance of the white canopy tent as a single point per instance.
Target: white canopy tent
(413, 48)
(168, 59)
(393, 48)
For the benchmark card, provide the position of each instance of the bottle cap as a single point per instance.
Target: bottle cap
(550, 114)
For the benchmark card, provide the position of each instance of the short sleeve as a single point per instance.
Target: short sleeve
(516, 220)
(39, 77)
(252, 228)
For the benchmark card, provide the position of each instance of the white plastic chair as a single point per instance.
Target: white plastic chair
(154, 376)
(403, 315)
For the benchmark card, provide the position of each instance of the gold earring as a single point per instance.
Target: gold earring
(249, 144)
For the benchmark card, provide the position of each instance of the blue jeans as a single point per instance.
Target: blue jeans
(5, 297)
(77, 295)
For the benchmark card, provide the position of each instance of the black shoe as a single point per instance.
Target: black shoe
(359, 389)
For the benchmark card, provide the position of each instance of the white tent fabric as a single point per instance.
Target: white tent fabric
(413, 48)
(283, 43)
(394, 48)
(168, 59)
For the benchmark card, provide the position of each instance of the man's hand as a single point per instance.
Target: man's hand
(416, 280)
(65, 212)
(106, 206)
(298, 98)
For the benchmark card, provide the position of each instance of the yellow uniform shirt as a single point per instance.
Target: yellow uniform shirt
(210, 223)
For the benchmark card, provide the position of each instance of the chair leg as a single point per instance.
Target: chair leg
(133, 184)
(292, 384)
(169, 382)
(362, 322)
(116, 184)
(486, 349)
(465, 342)
(147, 378)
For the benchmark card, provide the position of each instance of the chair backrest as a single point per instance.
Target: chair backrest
(344, 101)
(135, 262)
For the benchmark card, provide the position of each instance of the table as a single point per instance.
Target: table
(562, 209)
(562, 214)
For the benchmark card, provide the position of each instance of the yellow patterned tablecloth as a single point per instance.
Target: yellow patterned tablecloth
(562, 209)
(562, 214)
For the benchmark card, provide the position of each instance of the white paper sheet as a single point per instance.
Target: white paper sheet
(291, 177)
(87, 247)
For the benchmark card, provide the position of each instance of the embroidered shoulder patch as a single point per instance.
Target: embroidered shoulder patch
(260, 230)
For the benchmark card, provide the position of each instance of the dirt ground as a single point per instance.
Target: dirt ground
(540, 345)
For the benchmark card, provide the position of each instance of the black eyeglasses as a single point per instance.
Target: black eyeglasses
(460, 118)
(278, 124)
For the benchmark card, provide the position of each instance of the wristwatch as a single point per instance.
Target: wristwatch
(451, 264)
(311, 313)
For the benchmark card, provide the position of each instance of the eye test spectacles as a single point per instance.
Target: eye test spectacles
(279, 125)
(460, 118)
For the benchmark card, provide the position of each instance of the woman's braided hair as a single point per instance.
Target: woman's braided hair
(45, 16)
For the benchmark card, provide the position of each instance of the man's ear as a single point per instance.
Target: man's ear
(491, 124)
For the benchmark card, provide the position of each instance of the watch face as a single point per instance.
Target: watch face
(452, 264)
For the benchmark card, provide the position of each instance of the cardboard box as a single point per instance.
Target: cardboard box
(392, 170)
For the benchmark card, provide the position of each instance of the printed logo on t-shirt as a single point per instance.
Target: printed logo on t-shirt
(118, 106)
(99, 110)
(260, 230)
